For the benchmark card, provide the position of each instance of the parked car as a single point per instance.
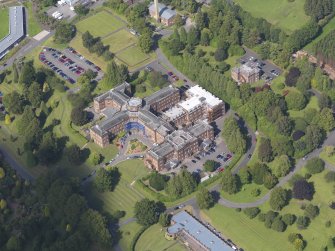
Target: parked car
(194, 161)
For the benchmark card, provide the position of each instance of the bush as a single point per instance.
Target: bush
(328, 224)
(295, 101)
(292, 76)
(295, 178)
(293, 236)
(289, 219)
(278, 198)
(158, 181)
(315, 165)
(330, 176)
(141, 88)
(255, 192)
(251, 212)
(312, 211)
(278, 225)
(303, 190)
(271, 215)
(210, 165)
(262, 217)
(302, 222)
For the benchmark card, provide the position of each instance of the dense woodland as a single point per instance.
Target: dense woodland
(324, 49)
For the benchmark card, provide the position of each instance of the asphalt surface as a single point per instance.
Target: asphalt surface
(32, 44)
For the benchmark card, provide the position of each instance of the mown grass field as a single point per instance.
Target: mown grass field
(125, 195)
(100, 24)
(119, 40)
(133, 56)
(245, 195)
(127, 234)
(287, 15)
(33, 26)
(158, 243)
(4, 21)
(251, 234)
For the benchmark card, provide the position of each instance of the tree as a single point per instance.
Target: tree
(79, 116)
(115, 74)
(182, 184)
(27, 75)
(193, 37)
(95, 158)
(164, 219)
(229, 182)
(96, 227)
(295, 101)
(220, 54)
(74, 154)
(81, 10)
(312, 211)
(106, 179)
(258, 172)
(233, 136)
(145, 42)
(13, 102)
(251, 212)
(292, 76)
(204, 199)
(210, 165)
(324, 101)
(302, 190)
(245, 176)
(14, 244)
(325, 119)
(302, 222)
(265, 150)
(179, 22)
(147, 212)
(278, 198)
(278, 225)
(330, 176)
(64, 33)
(315, 165)
(2, 173)
(289, 219)
(158, 181)
(3, 204)
(34, 94)
(27, 116)
(270, 181)
(8, 120)
(299, 244)
(314, 136)
(284, 125)
(282, 166)
(205, 37)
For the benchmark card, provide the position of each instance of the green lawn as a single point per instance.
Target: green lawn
(253, 235)
(132, 56)
(147, 243)
(100, 24)
(33, 26)
(313, 103)
(245, 194)
(119, 40)
(325, 31)
(288, 15)
(326, 158)
(4, 20)
(125, 195)
(127, 234)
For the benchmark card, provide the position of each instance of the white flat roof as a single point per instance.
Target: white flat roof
(174, 112)
(199, 92)
(190, 103)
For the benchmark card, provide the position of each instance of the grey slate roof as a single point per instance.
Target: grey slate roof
(118, 94)
(108, 123)
(154, 122)
(184, 221)
(16, 29)
(161, 8)
(159, 95)
(199, 128)
(161, 150)
(168, 14)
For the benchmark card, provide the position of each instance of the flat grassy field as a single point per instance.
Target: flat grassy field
(132, 56)
(100, 24)
(285, 14)
(119, 40)
(125, 195)
(245, 195)
(313, 103)
(127, 234)
(4, 21)
(33, 26)
(159, 243)
(326, 158)
(251, 234)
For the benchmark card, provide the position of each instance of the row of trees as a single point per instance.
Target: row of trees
(95, 45)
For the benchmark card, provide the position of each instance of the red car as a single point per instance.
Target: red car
(78, 72)
(221, 169)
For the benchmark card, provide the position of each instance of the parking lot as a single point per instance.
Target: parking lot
(64, 10)
(68, 64)
(269, 70)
